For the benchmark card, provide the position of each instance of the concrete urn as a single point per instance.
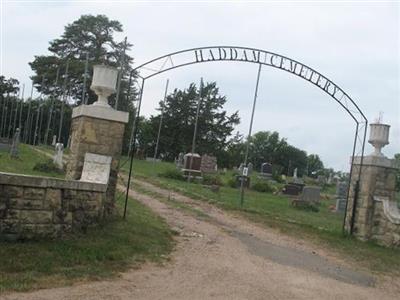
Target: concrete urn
(103, 83)
(378, 137)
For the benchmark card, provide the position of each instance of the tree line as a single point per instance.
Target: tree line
(215, 134)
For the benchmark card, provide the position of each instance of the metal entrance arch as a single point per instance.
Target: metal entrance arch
(262, 58)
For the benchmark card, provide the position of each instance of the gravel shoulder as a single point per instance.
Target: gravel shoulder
(222, 256)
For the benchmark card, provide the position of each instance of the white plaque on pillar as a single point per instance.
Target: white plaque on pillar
(96, 168)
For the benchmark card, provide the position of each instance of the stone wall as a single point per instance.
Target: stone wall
(376, 189)
(39, 207)
(96, 135)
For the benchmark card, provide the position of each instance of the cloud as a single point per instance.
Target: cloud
(356, 45)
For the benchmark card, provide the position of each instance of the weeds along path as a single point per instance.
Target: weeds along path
(222, 256)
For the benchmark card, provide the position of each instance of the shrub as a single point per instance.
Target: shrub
(263, 187)
(232, 182)
(47, 167)
(172, 174)
(212, 180)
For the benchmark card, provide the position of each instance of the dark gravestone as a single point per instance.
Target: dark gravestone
(341, 196)
(266, 171)
(266, 168)
(292, 189)
(192, 161)
(5, 144)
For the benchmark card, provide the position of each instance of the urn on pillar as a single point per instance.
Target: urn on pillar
(378, 137)
(98, 129)
(103, 83)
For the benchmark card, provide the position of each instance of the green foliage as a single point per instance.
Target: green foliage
(232, 182)
(172, 173)
(306, 206)
(89, 34)
(211, 179)
(28, 158)
(8, 86)
(267, 146)
(47, 167)
(263, 187)
(179, 113)
(314, 164)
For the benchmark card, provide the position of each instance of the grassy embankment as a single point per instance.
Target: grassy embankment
(323, 227)
(102, 252)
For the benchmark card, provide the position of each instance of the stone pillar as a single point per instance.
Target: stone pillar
(378, 179)
(372, 212)
(100, 130)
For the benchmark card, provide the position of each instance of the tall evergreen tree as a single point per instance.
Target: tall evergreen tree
(92, 35)
(215, 126)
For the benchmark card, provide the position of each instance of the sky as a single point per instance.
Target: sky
(354, 43)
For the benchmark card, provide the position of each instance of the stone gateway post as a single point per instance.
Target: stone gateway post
(98, 129)
(372, 211)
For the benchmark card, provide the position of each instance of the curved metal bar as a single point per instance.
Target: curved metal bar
(253, 55)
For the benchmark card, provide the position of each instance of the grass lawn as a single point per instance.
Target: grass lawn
(323, 227)
(28, 158)
(100, 253)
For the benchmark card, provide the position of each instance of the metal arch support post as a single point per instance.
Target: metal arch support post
(195, 128)
(249, 135)
(349, 183)
(46, 136)
(136, 123)
(160, 125)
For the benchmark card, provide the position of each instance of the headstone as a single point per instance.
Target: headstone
(58, 155)
(266, 170)
(54, 141)
(292, 189)
(310, 194)
(295, 178)
(96, 168)
(14, 152)
(191, 164)
(192, 161)
(208, 164)
(5, 144)
(321, 179)
(341, 196)
(330, 178)
(250, 167)
(180, 160)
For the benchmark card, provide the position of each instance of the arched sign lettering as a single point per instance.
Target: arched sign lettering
(261, 57)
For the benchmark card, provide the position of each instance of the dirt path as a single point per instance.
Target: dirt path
(222, 256)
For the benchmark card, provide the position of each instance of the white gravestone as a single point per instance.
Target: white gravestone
(53, 143)
(96, 168)
(58, 156)
(15, 143)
